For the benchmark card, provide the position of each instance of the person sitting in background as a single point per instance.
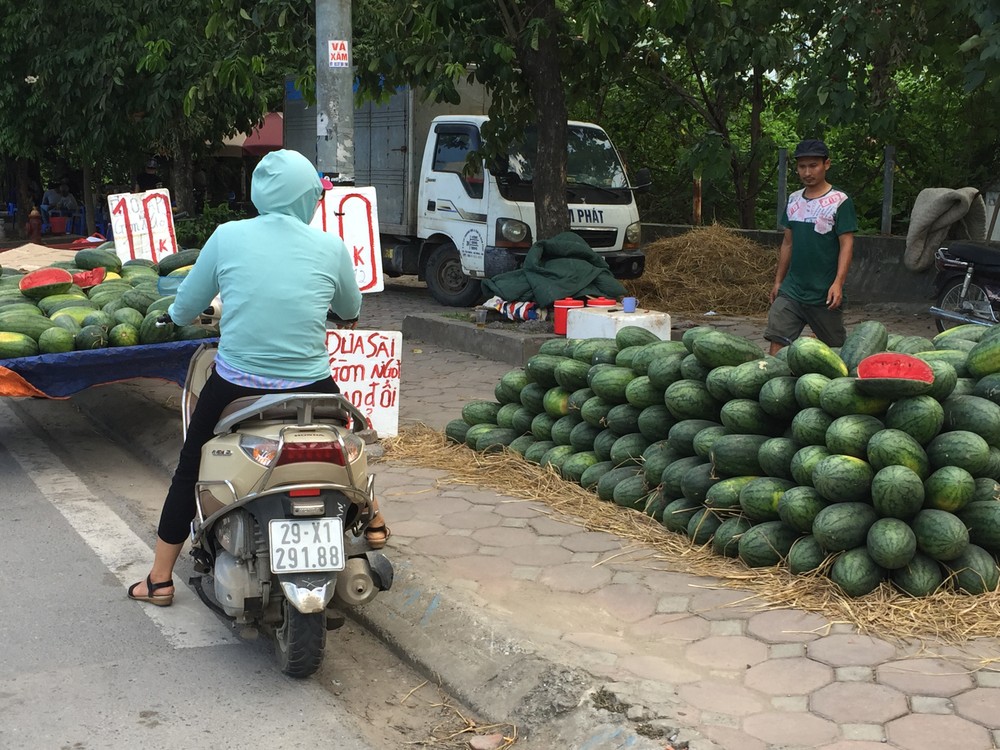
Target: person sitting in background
(64, 203)
(49, 198)
(148, 179)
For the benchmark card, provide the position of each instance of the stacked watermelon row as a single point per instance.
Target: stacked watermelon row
(815, 458)
(91, 302)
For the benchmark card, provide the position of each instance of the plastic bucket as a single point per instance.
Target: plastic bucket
(561, 308)
(58, 224)
(601, 302)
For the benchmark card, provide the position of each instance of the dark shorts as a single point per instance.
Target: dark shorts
(788, 317)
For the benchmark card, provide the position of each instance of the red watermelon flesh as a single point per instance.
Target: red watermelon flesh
(45, 281)
(87, 279)
(894, 375)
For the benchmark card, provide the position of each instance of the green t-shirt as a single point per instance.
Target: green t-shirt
(816, 225)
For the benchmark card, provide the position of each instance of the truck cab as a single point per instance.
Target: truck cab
(475, 223)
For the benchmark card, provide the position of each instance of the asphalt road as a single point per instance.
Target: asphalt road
(83, 667)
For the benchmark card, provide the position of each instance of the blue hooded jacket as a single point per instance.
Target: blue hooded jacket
(276, 277)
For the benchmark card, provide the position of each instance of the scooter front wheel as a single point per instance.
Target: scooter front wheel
(299, 641)
(975, 305)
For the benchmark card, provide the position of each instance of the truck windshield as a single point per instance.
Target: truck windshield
(594, 171)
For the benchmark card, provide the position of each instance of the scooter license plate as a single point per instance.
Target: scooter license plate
(306, 546)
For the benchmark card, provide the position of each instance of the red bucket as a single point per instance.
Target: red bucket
(57, 224)
(601, 302)
(561, 308)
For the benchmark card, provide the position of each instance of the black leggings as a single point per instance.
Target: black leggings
(179, 507)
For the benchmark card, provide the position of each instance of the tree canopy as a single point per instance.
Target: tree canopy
(699, 90)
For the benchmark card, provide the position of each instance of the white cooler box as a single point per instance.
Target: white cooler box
(605, 322)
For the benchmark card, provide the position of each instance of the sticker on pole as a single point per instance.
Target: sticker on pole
(142, 225)
(366, 366)
(339, 53)
(351, 213)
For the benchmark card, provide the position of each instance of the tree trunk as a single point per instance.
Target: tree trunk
(748, 214)
(545, 81)
(25, 200)
(89, 203)
(181, 178)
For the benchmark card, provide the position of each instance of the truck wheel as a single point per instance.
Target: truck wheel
(446, 281)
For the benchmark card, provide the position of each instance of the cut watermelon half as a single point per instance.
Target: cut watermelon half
(894, 375)
(88, 279)
(45, 281)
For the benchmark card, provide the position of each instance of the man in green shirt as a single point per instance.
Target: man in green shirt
(814, 257)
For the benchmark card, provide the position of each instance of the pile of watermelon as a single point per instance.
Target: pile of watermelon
(91, 302)
(876, 461)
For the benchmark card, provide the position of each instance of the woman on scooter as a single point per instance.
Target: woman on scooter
(277, 277)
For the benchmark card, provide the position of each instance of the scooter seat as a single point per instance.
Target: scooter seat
(292, 411)
(978, 253)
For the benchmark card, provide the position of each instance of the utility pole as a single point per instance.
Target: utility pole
(334, 91)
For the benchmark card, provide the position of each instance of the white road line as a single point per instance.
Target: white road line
(185, 624)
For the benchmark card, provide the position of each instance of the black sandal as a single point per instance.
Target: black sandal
(151, 597)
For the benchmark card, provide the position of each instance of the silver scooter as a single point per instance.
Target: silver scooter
(283, 500)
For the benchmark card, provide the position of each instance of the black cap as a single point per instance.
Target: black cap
(811, 147)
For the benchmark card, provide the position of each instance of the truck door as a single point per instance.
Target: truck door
(452, 200)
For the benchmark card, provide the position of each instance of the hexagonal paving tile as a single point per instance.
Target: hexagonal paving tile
(731, 739)
(858, 703)
(786, 625)
(445, 546)
(735, 652)
(471, 519)
(925, 677)
(850, 650)
(625, 603)
(981, 705)
(591, 541)
(416, 528)
(503, 537)
(722, 604)
(795, 676)
(782, 728)
(575, 577)
(441, 506)
(680, 627)
(542, 555)
(722, 697)
(923, 731)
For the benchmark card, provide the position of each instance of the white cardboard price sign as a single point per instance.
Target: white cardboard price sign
(142, 224)
(366, 366)
(352, 214)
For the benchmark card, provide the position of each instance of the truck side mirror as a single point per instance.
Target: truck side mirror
(643, 181)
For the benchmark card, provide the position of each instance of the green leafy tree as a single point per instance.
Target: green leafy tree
(530, 55)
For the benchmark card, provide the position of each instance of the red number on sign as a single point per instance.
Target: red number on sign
(122, 208)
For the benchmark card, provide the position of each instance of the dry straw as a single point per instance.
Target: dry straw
(950, 617)
(710, 268)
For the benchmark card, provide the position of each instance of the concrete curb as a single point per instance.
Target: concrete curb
(512, 347)
(441, 632)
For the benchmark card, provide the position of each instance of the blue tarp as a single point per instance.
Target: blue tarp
(62, 375)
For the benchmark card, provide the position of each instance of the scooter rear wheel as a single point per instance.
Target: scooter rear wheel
(299, 642)
(975, 305)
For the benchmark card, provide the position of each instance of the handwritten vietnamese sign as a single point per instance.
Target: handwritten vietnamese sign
(142, 224)
(352, 214)
(366, 366)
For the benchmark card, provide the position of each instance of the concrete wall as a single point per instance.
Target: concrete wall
(877, 274)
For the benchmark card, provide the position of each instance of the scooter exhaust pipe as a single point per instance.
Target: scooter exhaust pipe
(955, 317)
(355, 584)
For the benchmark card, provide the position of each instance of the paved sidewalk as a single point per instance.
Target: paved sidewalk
(530, 618)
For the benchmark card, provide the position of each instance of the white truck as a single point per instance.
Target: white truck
(451, 228)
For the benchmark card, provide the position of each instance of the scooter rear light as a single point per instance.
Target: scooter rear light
(314, 452)
(308, 492)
